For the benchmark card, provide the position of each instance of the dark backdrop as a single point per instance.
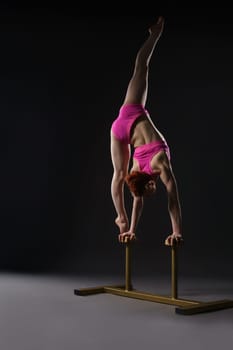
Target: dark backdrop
(63, 77)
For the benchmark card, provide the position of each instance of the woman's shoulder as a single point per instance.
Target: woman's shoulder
(134, 168)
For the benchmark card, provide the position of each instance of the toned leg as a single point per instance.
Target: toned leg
(136, 93)
(120, 154)
(138, 85)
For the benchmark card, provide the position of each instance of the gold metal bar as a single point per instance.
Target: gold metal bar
(128, 283)
(174, 274)
(150, 297)
(205, 307)
(93, 290)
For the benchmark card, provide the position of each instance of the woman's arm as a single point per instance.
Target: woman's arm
(136, 213)
(174, 208)
(135, 216)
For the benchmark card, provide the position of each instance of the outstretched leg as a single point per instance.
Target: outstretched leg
(138, 85)
(136, 93)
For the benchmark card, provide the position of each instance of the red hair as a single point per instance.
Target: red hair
(136, 182)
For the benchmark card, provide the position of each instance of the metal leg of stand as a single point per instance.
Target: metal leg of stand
(174, 274)
(128, 280)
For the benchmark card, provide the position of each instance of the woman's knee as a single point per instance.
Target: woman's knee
(120, 174)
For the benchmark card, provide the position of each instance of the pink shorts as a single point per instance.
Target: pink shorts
(122, 125)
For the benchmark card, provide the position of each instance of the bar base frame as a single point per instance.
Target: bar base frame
(183, 306)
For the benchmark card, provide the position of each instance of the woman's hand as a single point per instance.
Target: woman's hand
(126, 237)
(174, 239)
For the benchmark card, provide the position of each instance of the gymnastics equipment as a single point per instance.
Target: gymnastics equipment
(183, 306)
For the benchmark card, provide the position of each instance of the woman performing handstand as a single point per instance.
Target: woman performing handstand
(134, 128)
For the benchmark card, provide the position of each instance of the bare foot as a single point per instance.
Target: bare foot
(157, 28)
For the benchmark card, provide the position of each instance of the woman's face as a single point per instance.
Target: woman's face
(150, 187)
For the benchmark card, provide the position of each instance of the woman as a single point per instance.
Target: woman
(133, 128)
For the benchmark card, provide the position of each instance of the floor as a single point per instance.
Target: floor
(41, 312)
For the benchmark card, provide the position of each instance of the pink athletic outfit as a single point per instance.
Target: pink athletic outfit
(121, 130)
(144, 154)
(122, 124)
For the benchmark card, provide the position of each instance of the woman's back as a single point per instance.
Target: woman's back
(144, 131)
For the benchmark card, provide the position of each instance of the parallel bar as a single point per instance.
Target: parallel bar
(185, 307)
(150, 297)
(174, 274)
(205, 307)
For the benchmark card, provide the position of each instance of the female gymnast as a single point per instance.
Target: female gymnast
(134, 129)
